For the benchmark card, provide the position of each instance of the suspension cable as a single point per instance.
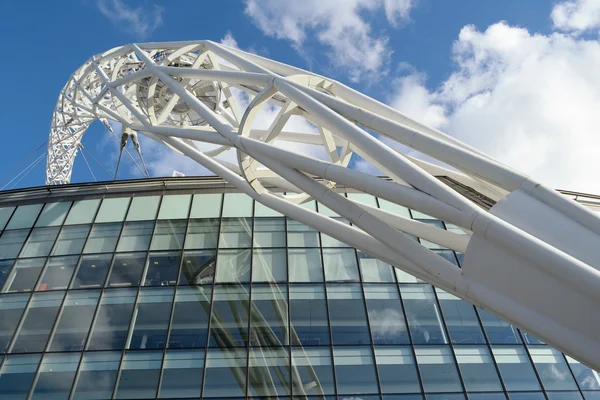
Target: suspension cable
(25, 171)
(95, 159)
(110, 129)
(21, 163)
(88, 164)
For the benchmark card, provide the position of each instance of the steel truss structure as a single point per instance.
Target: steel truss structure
(533, 259)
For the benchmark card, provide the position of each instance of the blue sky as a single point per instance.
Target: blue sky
(524, 90)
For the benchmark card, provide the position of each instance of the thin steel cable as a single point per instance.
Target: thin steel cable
(143, 163)
(88, 165)
(127, 151)
(25, 171)
(23, 162)
(98, 162)
(118, 163)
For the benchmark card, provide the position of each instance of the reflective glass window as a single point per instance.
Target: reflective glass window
(202, 234)
(314, 371)
(109, 331)
(237, 205)
(347, 315)
(127, 269)
(82, 212)
(571, 395)
(139, 375)
(198, 267)
(497, 330)
(363, 198)
(340, 265)
(264, 211)
(39, 243)
(437, 368)
(396, 369)
(92, 271)
(269, 316)
(163, 269)
(300, 235)
(229, 321)
(595, 395)
(269, 232)
(103, 238)
(136, 236)
(487, 396)
(53, 214)
(461, 320)
(323, 209)
(515, 368)
(143, 208)
(5, 213)
(233, 266)
(374, 270)
(587, 378)
(305, 265)
(58, 273)
(24, 275)
(112, 210)
(189, 327)
(394, 208)
(11, 242)
(329, 241)
(168, 235)
(477, 369)
(97, 376)
(74, 321)
(37, 323)
(235, 233)
(529, 338)
(71, 240)
(5, 266)
(225, 373)
(151, 318)
(11, 310)
(175, 206)
(182, 374)
(16, 375)
(354, 370)
(269, 265)
(447, 254)
(55, 377)
(526, 395)
(385, 314)
(422, 313)
(552, 368)
(308, 315)
(24, 216)
(270, 369)
(206, 205)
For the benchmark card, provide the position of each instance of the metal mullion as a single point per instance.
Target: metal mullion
(144, 270)
(326, 293)
(162, 362)
(250, 299)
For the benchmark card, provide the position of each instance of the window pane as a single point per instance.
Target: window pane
(486, 396)
(39, 242)
(374, 270)
(163, 269)
(314, 371)
(552, 368)
(37, 323)
(385, 314)
(112, 210)
(143, 208)
(55, 377)
(206, 205)
(202, 234)
(515, 369)
(17, 375)
(71, 240)
(340, 265)
(82, 212)
(109, 331)
(58, 273)
(189, 328)
(233, 266)
(53, 214)
(225, 373)
(363, 198)
(564, 395)
(136, 236)
(103, 238)
(24, 216)
(127, 269)
(354, 370)
(422, 314)
(397, 371)
(264, 211)
(175, 206)
(269, 232)
(229, 321)
(308, 315)
(329, 241)
(394, 208)
(438, 371)
(347, 315)
(269, 265)
(5, 266)
(305, 265)
(461, 319)
(300, 235)
(74, 321)
(140, 372)
(198, 267)
(270, 369)
(11, 309)
(92, 271)
(587, 378)
(235, 233)
(168, 235)
(497, 330)
(24, 275)
(269, 316)
(11, 242)
(478, 369)
(5, 213)
(151, 318)
(182, 374)
(97, 375)
(237, 205)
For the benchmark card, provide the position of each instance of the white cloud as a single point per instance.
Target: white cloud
(229, 40)
(138, 21)
(337, 24)
(577, 15)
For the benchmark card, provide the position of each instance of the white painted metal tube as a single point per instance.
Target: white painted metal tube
(242, 78)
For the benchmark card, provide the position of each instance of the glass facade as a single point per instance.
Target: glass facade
(197, 295)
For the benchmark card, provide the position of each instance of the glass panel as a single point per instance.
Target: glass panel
(385, 314)
(526, 396)
(270, 372)
(97, 376)
(269, 316)
(233, 266)
(82, 212)
(206, 205)
(169, 235)
(103, 238)
(139, 376)
(552, 368)
(438, 370)
(308, 316)
(305, 265)
(564, 396)
(329, 241)
(394, 208)
(340, 265)
(11, 242)
(264, 211)
(269, 265)
(515, 369)
(53, 214)
(175, 206)
(591, 395)
(225, 373)
(328, 212)
(461, 320)
(24, 275)
(127, 269)
(347, 315)
(5, 266)
(39, 242)
(189, 327)
(11, 309)
(587, 378)
(269, 232)
(312, 367)
(37, 323)
(92, 271)
(237, 205)
(397, 371)
(363, 198)
(74, 321)
(143, 208)
(497, 330)
(477, 369)
(71, 240)
(229, 321)
(422, 314)
(55, 377)
(198, 267)
(235, 233)
(487, 396)
(24, 216)
(182, 374)
(354, 370)
(300, 235)
(447, 254)
(17, 375)
(151, 318)
(528, 338)
(5, 213)
(136, 236)
(374, 270)
(109, 331)
(163, 269)
(58, 273)
(202, 234)
(112, 210)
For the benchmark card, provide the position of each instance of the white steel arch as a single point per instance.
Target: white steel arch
(533, 259)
